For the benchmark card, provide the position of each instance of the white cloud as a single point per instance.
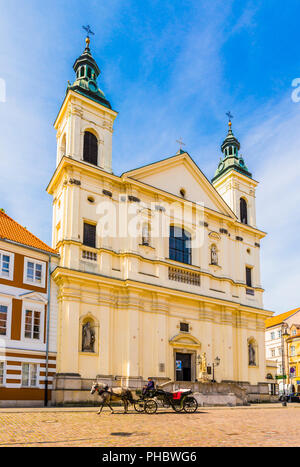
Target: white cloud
(272, 146)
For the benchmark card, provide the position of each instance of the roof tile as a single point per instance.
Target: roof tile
(275, 320)
(11, 230)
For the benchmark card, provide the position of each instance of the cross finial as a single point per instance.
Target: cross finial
(88, 30)
(229, 116)
(180, 142)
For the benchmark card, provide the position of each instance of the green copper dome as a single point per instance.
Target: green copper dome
(87, 72)
(231, 159)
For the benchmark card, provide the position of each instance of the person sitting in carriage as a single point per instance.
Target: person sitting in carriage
(149, 386)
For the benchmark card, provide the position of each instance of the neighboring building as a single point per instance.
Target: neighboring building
(293, 354)
(24, 313)
(136, 297)
(276, 350)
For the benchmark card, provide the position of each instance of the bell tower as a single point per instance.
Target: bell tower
(84, 124)
(234, 181)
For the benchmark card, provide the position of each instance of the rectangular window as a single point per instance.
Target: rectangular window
(89, 235)
(249, 277)
(3, 320)
(272, 335)
(2, 374)
(32, 324)
(34, 272)
(179, 245)
(293, 351)
(273, 353)
(184, 327)
(6, 265)
(29, 375)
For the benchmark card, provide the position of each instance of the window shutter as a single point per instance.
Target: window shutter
(89, 235)
(249, 277)
(244, 211)
(90, 149)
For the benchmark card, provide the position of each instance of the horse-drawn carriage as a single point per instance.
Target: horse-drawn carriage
(180, 401)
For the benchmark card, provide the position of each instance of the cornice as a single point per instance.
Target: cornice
(59, 273)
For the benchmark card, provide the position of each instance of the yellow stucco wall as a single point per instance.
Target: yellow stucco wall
(125, 290)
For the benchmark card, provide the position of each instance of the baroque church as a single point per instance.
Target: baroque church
(159, 267)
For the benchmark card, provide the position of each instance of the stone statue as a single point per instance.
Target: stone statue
(204, 363)
(214, 255)
(88, 338)
(146, 236)
(203, 369)
(252, 359)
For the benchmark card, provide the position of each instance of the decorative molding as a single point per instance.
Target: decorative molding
(73, 181)
(133, 199)
(214, 235)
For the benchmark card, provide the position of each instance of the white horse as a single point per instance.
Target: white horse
(108, 395)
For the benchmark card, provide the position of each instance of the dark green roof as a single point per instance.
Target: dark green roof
(87, 72)
(231, 159)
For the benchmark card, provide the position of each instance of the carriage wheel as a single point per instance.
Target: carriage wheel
(190, 405)
(177, 408)
(139, 406)
(151, 406)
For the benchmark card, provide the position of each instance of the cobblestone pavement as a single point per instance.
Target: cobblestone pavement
(244, 426)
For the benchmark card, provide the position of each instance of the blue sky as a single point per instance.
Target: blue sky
(171, 69)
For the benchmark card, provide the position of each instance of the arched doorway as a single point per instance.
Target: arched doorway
(185, 350)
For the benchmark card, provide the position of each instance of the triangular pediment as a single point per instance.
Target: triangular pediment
(178, 173)
(33, 296)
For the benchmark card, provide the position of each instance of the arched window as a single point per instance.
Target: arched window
(244, 211)
(180, 248)
(82, 71)
(230, 150)
(90, 148)
(63, 145)
(89, 72)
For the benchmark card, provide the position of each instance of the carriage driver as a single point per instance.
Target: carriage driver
(149, 386)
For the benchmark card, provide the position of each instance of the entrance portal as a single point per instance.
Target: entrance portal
(183, 367)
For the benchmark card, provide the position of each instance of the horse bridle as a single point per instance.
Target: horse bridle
(102, 391)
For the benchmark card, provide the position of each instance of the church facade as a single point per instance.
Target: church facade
(159, 267)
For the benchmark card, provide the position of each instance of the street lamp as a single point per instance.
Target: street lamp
(215, 364)
(284, 335)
